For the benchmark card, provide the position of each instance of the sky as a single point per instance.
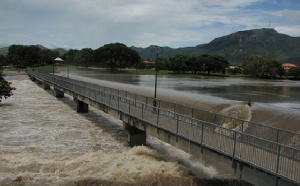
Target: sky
(81, 24)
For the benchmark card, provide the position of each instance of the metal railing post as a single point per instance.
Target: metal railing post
(157, 119)
(277, 163)
(142, 111)
(177, 123)
(202, 133)
(278, 158)
(129, 105)
(233, 153)
(277, 136)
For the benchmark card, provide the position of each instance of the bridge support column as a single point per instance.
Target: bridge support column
(46, 86)
(38, 82)
(59, 93)
(136, 137)
(82, 107)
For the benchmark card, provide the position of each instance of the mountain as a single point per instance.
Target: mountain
(4, 50)
(236, 46)
(61, 51)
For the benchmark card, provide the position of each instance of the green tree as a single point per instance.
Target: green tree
(23, 56)
(5, 88)
(84, 57)
(116, 55)
(46, 56)
(3, 60)
(195, 64)
(70, 56)
(213, 63)
(179, 63)
(31, 57)
(262, 67)
(16, 55)
(294, 73)
(219, 64)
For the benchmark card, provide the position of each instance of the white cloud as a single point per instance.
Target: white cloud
(93, 23)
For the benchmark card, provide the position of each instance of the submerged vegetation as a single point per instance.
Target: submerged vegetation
(5, 88)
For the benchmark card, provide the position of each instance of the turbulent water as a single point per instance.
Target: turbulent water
(44, 141)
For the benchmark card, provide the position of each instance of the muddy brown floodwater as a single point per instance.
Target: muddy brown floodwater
(44, 141)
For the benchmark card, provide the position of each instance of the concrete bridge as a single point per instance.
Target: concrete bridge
(261, 155)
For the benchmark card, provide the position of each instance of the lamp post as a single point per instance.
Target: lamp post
(158, 51)
(67, 60)
(53, 67)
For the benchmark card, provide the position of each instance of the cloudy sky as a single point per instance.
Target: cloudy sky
(175, 23)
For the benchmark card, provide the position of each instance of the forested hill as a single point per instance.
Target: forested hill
(236, 46)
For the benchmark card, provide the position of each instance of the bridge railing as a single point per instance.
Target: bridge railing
(277, 135)
(273, 156)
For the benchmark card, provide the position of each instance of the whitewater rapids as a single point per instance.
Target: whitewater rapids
(44, 141)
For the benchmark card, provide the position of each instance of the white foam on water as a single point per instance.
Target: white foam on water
(43, 140)
(240, 111)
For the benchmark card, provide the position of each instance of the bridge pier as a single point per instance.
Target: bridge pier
(58, 93)
(46, 86)
(136, 137)
(82, 107)
(38, 82)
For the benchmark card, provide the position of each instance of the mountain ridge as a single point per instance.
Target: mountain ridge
(234, 47)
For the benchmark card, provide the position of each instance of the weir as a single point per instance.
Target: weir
(254, 157)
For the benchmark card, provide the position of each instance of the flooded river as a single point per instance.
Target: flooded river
(44, 141)
(273, 102)
(276, 93)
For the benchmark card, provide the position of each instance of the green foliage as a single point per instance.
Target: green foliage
(23, 56)
(29, 56)
(5, 88)
(116, 55)
(3, 60)
(294, 73)
(46, 56)
(83, 57)
(262, 67)
(210, 63)
(70, 56)
(178, 63)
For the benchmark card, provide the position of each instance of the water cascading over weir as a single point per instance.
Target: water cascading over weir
(228, 140)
